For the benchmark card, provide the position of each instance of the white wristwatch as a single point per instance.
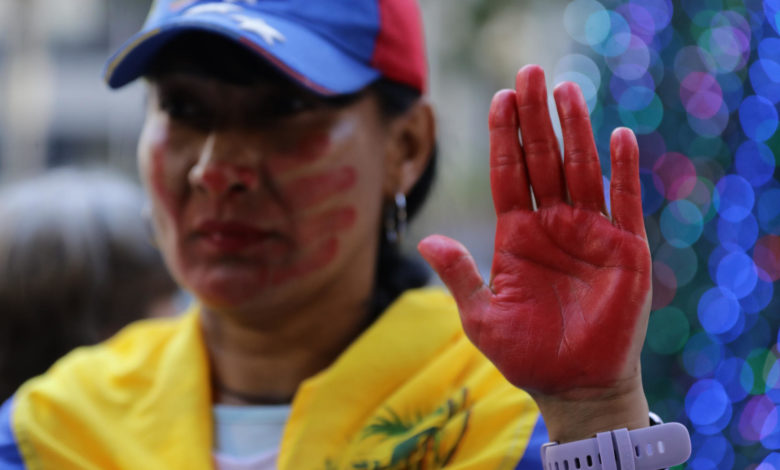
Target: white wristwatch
(652, 448)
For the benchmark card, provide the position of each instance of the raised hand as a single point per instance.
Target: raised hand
(565, 312)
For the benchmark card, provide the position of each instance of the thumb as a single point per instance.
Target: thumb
(457, 269)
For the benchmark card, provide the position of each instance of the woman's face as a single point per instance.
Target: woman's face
(263, 196)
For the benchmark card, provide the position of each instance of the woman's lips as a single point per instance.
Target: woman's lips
(234, 237)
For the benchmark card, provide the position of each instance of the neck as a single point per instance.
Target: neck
(265, 363)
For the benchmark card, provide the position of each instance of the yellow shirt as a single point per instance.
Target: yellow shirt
(410, 392)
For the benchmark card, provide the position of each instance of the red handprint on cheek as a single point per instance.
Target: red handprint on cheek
(303, 152)
(316, 235)
(566, 309)
(280, 219)
(309, 191)
(316, 228)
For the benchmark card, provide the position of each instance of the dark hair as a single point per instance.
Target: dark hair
(76, 265)
(212, 55)
(396, 272)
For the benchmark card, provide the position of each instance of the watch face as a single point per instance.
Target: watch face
(655, 419)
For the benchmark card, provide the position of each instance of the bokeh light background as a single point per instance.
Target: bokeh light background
(699, 82)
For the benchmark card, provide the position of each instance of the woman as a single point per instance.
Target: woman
(280, 144)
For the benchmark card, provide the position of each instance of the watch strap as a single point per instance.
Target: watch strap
(649, 448)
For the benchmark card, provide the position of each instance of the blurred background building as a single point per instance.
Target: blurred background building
(698, 80)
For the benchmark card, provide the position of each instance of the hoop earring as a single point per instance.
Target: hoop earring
(395, 219)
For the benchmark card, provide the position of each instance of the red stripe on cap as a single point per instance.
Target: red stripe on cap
(399, 53)
(285, 68)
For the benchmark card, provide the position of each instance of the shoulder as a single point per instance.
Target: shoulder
(147, 380)
(103, 377)
(132, 351)
(130, 356)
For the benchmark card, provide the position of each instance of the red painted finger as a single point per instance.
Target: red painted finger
(540, 146)
(456, 268)
(508, 176)
(580, 157)
(311, 190)
(625, 190)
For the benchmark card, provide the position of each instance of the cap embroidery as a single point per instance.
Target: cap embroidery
(256, 25)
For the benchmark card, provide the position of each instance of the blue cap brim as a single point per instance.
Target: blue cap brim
(299, 53)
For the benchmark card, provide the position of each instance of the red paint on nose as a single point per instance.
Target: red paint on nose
(247, 177)
(214, 180)
(220, 178)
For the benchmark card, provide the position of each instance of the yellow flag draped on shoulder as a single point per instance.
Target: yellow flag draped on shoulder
(411, 392)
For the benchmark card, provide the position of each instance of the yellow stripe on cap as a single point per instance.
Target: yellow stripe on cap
(127, 50)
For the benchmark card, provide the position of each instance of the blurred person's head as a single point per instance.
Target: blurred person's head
(76, 265)
(277, 136)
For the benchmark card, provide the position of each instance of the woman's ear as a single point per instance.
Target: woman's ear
(412, 139)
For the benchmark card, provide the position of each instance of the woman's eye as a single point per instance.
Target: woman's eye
(185, 110)
(288, 106)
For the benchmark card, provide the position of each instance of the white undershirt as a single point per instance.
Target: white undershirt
(248, 437)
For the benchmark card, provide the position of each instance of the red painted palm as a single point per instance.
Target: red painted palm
(566, 309)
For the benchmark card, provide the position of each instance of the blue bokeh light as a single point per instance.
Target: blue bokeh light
(765, 78)
(740, 235)
(659, 10)
(737, 274)
(770, 462)
(758, 117)
(618, 37)
(586, 21)
(702, 354)
(652, 199)
(759, 297)
(769, 211)
(733, 198)
(710, 452)
(681, 223)
(708, 406)
(772, 12)
(733, 90)
(644, 120)
(633, 62)
(755, 162)
(633, 94)
(718, 310)
(729, 373)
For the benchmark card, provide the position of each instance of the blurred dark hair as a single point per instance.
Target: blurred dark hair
(397, 273)
(76, 265)
(212, 55)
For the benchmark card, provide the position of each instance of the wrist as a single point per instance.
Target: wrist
(580, 415)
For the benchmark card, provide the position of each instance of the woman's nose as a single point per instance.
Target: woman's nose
(224, 168)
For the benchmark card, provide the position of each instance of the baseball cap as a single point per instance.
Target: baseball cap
(331, 47)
